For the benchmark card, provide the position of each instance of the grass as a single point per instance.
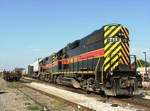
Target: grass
(27, 103)
(57, 105)
(34, 108)
(14, 85)
(17, 93)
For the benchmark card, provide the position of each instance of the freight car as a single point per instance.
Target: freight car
(99, 62)
(11, 76)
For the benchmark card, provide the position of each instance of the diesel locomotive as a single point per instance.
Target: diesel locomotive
(99, 62)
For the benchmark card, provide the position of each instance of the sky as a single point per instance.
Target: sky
(31, 29)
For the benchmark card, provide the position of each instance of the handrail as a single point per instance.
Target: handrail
(138, 62)
(97, 67)
(102, 70)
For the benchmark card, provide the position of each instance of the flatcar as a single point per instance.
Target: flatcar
(99, 62)
(11, 76)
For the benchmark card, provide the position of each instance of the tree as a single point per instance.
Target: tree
(143, 63)
(19, 70)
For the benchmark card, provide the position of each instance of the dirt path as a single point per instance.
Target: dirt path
(12, 99)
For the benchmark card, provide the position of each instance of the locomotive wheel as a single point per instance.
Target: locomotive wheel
(131, 92)
(58, 80)
(87, 85)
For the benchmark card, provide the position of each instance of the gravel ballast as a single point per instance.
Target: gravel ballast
(81, 99)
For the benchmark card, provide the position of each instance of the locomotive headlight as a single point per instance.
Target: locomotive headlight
(111, 73)
(120, 34)
(139, 73)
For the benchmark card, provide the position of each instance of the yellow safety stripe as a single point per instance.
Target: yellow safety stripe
(113, 47)
(107, 32)
(119, 51)
(105, 28)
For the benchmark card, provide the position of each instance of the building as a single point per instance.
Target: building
(25, 71)
(142, 71)
(36, 65)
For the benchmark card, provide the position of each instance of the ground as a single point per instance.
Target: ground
(12, 99)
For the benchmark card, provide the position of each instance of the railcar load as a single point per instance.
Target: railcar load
(11, 76)
(99, 62)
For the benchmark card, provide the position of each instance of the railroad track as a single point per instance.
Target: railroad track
(43, 106)
(81, 108)
(139, 103)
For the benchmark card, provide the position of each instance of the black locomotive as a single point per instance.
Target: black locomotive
(98, 62)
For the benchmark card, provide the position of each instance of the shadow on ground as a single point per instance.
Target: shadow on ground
(3, 92)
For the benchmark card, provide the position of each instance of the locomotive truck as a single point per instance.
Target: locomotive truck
(99, 62)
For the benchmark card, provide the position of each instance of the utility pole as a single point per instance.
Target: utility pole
(145, 63)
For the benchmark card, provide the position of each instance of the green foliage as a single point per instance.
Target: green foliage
(28, 104)
(14, 85)
(34, 108)
(58, 105)
(19, 70)
(143, 63)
